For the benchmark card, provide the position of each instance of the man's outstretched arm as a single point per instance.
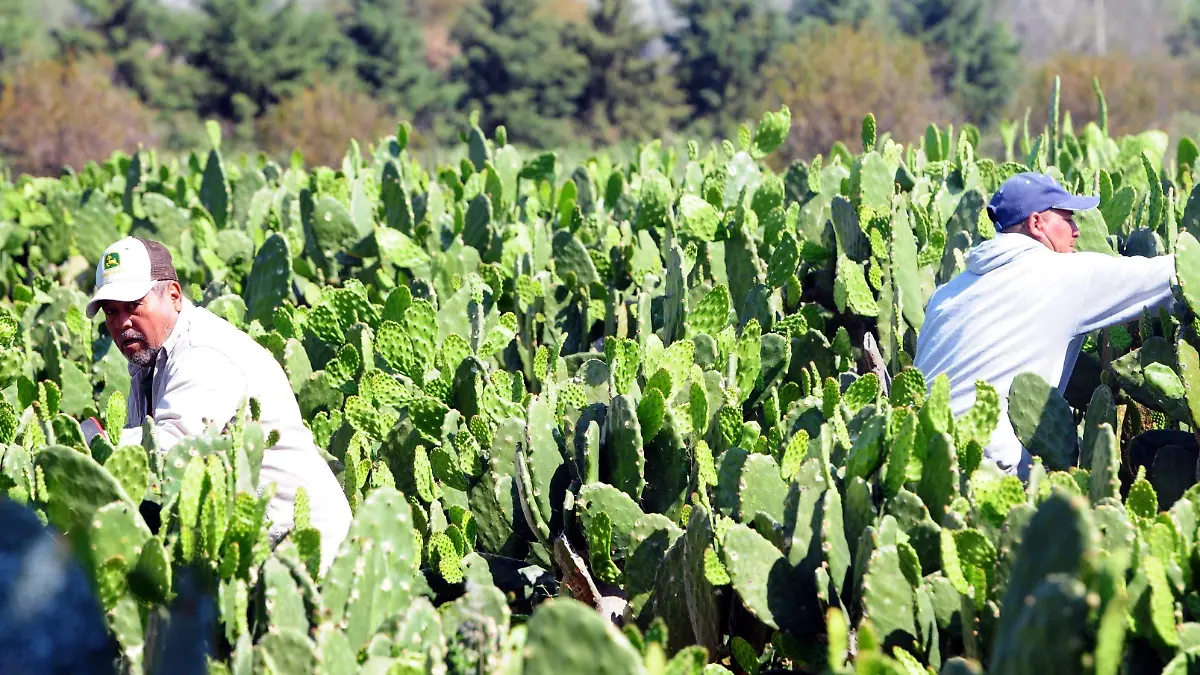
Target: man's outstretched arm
(1116, 289)
(203, 387)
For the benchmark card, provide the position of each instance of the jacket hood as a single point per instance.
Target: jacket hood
(999, 251)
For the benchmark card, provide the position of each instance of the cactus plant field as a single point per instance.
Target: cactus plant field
(650, 415)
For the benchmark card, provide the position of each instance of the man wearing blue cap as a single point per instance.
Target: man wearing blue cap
(1021, 305)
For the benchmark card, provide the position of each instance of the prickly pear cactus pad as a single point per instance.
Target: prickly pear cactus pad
(73, 486)
(651, 411)
(567, 636)
(763, 578)
(1187, 269)
(1043, 421)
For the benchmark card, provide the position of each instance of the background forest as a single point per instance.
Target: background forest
(82, 78)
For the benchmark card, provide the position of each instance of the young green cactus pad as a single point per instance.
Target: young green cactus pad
(1141, 502)
(697, 219)
(281, 597)
(1101, 410)
(621, 509)
(1155, 388)
(1187, 269)
(755, 486)
(130, 466)
(8, 422)
(851, 293)
(150, 579)
(939, 476)
(600, 549)
(115, 412)
(867, 453)
(116, 532)
(1154, 612)
(627, 460)
(772, 131)
(1043, 422)
(1189, 373)
(270, 280)
(1163, 381)
(889, 602)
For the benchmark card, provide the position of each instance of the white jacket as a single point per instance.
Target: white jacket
(1020, 307)
(204, 372)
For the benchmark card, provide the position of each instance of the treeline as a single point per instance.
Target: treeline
(556, 73)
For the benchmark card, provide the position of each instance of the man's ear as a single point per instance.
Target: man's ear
(175, 292)
(1035, 225)
(1037, 229)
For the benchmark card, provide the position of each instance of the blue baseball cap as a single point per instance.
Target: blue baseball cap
(1028, 193)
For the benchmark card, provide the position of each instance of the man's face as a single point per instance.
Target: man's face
(1056, 229)
(139, 328)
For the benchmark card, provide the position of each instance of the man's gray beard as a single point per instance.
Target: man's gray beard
(145, 357)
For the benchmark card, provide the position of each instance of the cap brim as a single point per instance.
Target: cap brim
(120, 291)
(1078, 203)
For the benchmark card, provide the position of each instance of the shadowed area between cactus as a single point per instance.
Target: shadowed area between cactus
(1169, 458)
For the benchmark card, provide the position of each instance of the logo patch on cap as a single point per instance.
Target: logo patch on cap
(112, 261)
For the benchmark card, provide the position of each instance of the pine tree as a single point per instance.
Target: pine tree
(1185, 38)
(390, 59)
(721, 49)
(975, 57)
(518, 71)
(112, 25)
(628, 94)
(255, 52)
(852, 12)
(142, 39)
(22, 34)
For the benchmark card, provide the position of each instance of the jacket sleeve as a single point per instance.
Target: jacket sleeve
(1116, 289)
(203, 387)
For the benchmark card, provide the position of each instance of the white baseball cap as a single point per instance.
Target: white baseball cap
(128, 271)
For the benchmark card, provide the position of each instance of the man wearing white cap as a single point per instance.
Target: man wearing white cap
(192, 369)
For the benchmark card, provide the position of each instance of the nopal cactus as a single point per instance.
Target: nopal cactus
(678, 389)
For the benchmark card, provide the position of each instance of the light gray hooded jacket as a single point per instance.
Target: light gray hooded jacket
(1020, 307)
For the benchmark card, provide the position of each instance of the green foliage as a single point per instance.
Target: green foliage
(1042, 420)
(721, 49)
(259, 52)
(123, 31)
(626, 95)
(535, 443)
(840, 11)
(22, 34)
(977, 59)
(519, 70)
(389, 58)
